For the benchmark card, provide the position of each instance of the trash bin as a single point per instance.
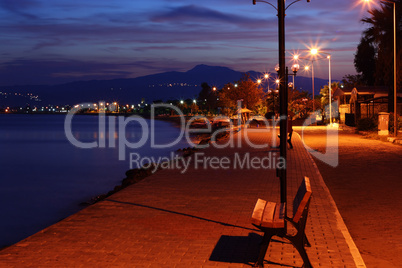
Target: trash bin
(383, 122)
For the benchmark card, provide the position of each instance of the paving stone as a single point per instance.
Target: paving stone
(197, 219)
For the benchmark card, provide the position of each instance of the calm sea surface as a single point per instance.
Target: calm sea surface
(44, 178)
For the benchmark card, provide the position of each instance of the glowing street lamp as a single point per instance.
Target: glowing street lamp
(266, 76)
(295, 67)
(313, 51)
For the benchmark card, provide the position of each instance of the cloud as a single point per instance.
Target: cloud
(193, 14)
(19, 7)
(58, 71)
(136, 38)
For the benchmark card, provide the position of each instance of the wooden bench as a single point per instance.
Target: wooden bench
(270, 218)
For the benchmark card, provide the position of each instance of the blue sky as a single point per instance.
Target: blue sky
(48, 42)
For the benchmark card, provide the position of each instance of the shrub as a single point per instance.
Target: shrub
(366, 124)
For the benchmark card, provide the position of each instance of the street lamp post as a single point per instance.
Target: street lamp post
(282, 91)
(329, 84)
(329, 89)
(313, 52)
(395, 70)
(273, 94)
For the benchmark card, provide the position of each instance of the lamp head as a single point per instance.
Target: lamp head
(295, 68)
(314, 51)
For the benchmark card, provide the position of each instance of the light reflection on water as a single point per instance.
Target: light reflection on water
(44, 178)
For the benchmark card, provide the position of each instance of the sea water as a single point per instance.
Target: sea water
(44, 177)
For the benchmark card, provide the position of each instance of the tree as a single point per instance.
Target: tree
(246, 90)
(365, 61)
(228, 98)
(325, 93)
(300, 103)
(351, 81)
(207, 98)
(380, 35)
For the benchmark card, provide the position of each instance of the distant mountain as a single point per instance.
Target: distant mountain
(162, 86)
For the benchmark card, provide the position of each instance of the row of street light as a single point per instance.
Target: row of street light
(314, 55)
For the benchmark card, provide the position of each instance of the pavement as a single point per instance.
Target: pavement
(199, 217)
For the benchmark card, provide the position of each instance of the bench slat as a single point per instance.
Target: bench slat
(301, 199)
(279, 217)
(268, 216)
(258, 212)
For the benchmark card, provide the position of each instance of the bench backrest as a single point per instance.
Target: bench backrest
(302, 199)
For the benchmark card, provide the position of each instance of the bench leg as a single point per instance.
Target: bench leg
(298, 242)
(306, 242)
(303, 254)
(263, 249)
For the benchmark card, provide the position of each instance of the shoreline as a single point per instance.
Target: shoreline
(136, 175)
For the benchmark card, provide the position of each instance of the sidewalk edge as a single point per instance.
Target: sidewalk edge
(340, 223)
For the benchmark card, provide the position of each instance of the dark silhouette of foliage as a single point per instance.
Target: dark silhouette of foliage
(365, 61)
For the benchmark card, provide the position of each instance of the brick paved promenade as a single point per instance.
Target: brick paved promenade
(200, 218)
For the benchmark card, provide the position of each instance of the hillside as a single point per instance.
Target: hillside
(162, 86)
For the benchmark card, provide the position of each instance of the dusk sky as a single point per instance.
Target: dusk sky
(49, 42)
